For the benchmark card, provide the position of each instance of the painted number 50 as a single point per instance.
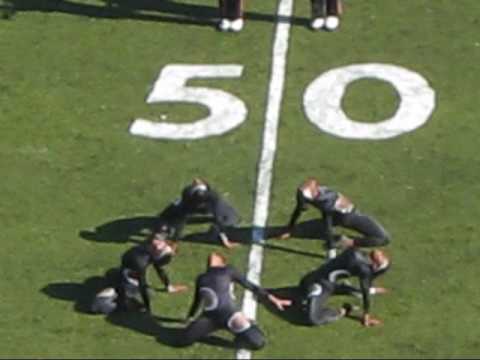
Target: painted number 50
(322, 102)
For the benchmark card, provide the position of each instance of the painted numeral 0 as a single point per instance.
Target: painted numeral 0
(322, 102)
(323, 98)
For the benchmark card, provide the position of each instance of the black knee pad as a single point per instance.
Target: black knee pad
(252, 339)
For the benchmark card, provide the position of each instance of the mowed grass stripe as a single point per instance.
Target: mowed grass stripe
(70, 166)
(417, 185)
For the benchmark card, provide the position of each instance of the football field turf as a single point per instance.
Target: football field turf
(78, 188)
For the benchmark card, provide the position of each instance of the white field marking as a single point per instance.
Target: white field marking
(323, 101)
(269, 146)
(226, 110)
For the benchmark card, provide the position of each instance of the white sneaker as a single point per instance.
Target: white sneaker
(317, 23)
(224, 25)
(332, 23)
(237, 25)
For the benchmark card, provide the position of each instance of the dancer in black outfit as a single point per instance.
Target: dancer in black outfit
(198, 198)
(132, 285)
(337, 210)
(213, 307)
(318, 285)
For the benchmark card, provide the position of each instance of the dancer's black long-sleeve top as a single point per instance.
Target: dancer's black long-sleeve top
(351, 262)
(328, 202)
(137, 260)
(214, 292)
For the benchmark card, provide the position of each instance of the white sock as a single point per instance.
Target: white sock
(317, 23)
(332, 22)
(224, 25)
(237, 25)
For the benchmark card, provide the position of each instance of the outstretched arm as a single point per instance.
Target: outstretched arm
(259, 291)
(144, 291)
(247, 284)
(365, 284)
(162, 274)
(226, 241)
(299, 208)
(196, 304)
(367, 319)
(327, 218)
(280, 304)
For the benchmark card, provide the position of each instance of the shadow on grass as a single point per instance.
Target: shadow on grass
(82, 294)
(292, 314)
(308, 230)
(245, 236)
(166, 11)
(151, 325)
(136, 230)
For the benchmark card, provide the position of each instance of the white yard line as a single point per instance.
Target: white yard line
(269, 147)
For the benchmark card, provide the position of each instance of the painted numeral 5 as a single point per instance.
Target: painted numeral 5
(226, 110)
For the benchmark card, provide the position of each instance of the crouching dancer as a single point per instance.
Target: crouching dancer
(215, 307)
(337, 210)
(131, 291)
(318, 285)
(199, 198)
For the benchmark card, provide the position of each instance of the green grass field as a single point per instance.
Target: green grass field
(74, 75)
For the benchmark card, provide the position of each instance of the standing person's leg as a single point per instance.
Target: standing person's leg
(318, 14)
(334, 8)
(222, 6)
(237, 12)
(225, 23)
(318, 8)
(373, 232)
(235, 9)
(231, 14)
